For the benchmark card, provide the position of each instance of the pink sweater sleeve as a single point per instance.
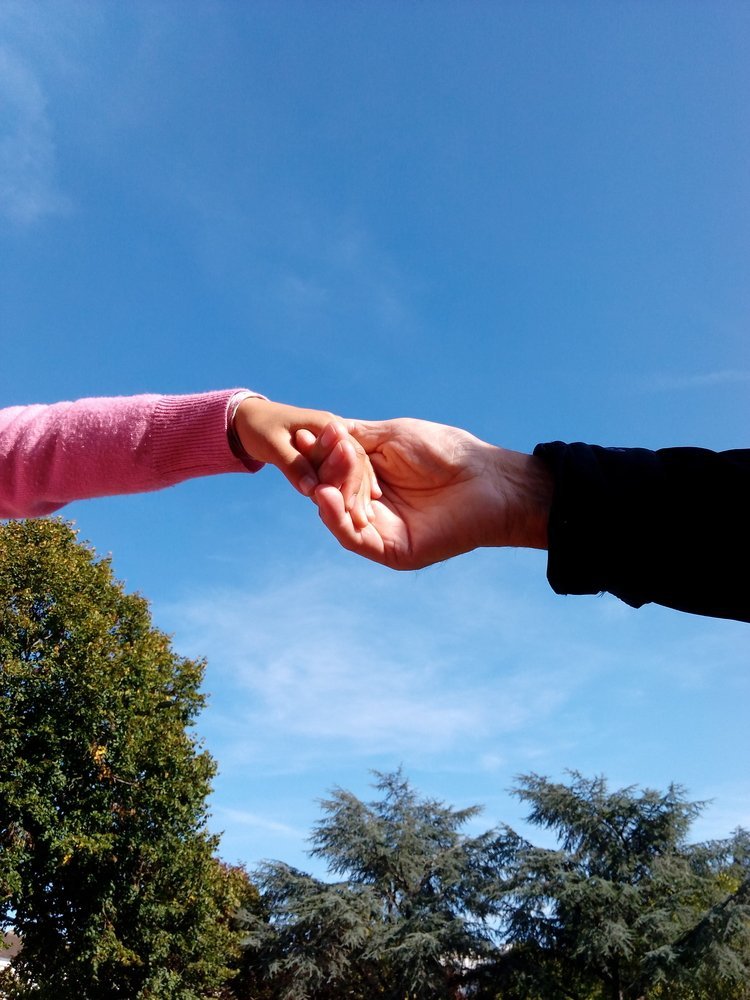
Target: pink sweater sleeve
(50, 455)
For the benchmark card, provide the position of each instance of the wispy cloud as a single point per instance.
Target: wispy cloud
(338, 267)
(470, 669)
(317, 270)
(698, 380)
(242, 817)
(29, 188)
(337, 662)
(41, 55)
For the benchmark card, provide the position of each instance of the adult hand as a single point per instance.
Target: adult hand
(443, 492)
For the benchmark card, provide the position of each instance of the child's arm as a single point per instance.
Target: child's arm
(53, 454)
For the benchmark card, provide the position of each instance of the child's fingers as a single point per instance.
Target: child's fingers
(341, 469)
(326, 441)
(297, 469)
(365, 541)
(305, 441)
(325, 453)
(355, 485)
(342, 463)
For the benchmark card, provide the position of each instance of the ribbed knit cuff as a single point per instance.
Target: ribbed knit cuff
(190, 437)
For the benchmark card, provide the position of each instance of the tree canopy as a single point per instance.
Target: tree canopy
(614, 907)
(623, 907)
(106, 866)
(409, 917)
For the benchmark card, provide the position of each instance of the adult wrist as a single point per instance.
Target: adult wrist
(526, 498)
(516, 498)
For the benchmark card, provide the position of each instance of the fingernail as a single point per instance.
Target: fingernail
(328, 436)
(307, 485)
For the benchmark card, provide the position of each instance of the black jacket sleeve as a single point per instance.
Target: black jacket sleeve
(669, 526)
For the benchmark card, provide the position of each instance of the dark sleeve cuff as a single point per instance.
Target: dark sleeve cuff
(668, 526)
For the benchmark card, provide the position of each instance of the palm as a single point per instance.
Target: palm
(432, 501)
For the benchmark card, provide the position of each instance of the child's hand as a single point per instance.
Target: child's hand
(271, 432)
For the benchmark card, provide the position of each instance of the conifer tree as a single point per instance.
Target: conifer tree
(623, 907)
(409, 918)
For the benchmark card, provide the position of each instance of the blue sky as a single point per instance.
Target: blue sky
(531, 220)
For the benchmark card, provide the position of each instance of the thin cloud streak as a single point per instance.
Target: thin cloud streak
(28, 164)
(41, 54)
(346, 668)
(699, 380)
(242, 817)
(349, 273)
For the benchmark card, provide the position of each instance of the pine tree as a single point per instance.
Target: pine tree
(623, 907)
(409, 919)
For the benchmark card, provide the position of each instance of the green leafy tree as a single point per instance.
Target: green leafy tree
(623, 907)
(410, 918)
(712, 958)
(106, 866)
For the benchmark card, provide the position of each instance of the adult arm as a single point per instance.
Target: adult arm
(670, 527)
(444, 492)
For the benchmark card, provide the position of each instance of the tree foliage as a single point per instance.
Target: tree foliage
(622, 907)
(106, 866)
(409, 919)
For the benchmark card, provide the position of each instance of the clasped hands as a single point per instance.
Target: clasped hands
(405, 493)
